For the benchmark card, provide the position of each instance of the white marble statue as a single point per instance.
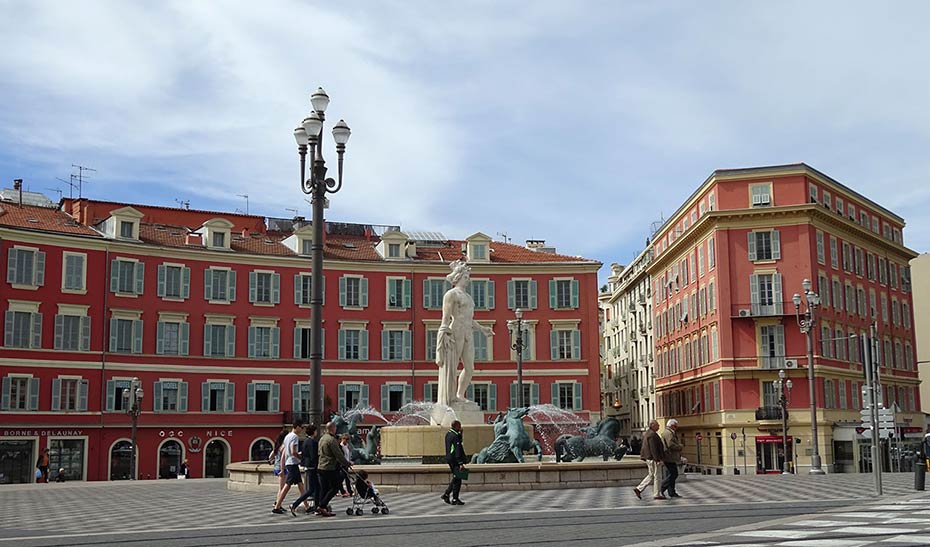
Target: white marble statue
(455, 342)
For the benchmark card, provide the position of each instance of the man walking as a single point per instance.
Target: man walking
(652, 452)
(455, 457)
(309, 457)
(331, 461)
(291, 447)
(672, 457)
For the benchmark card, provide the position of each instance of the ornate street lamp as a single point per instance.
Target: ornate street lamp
(309, 135)
(516, 325)
(783, 388)
(806, 321)
(132, 402)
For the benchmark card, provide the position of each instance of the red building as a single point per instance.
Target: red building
(210, 311)
(726, 266)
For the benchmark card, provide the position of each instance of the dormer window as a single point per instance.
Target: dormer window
(216, 233)
(306, 246)
(125, 229)
(122, 223)
(479, 248)
(479, 251)
(391, 246)
(219, 239)
(394, 250)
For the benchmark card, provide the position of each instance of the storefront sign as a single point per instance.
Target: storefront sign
(171, 433)
(42, 432)
(220, 433)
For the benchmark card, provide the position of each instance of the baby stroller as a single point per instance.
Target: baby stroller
(365, 493)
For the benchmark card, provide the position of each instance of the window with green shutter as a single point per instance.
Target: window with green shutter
(563, 294)
(353, 345)
(73, 272)
(25, 267)
(22, 330)
(521, 294)
(127, 276)
(433, 291)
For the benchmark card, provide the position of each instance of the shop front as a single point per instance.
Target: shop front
(771, 454)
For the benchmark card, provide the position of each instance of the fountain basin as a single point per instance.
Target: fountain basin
(253, 476)
(428, 441)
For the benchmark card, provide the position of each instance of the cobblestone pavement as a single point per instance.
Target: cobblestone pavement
(83, 509)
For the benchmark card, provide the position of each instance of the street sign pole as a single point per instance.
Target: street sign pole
(866, 346)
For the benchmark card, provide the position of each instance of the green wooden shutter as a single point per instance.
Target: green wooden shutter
(275, 397)
(85, 333)
(253, 286)
(156, 397)
(408, 345)
(534, 394)
(207, 340)
(160, 338)
(490, 295)
(533, 301)
(342, 344)
(82, 395)
(33, 394)
(779, 333)
(363, 398)
(251, 342)
(574, 293)
(555, 394)
(385, 398)
(275, 342)
(427, 304)
(139, 272)
(552, 294)
(513, 395)
(275, 288)
(160, 291)
(427, 392)
(298, 289)
(56, 394)
(342, 291)
(553, 345)
(342, 398)
(230, 397)
(322, 343)
(363, 345)
(182, 396)
(208, 284)
(511, 295)
(470, 392)
(40, 268)
(231, 286)
(408, 294)
(5, 394)
(579, 404)
(137, 336)
(11, 257)
(751, 244)
(776, 244)
(8, 328)
(576, 344)
(297, 333)
(295, 398)
(185, 283)
(754, 293)
(492, 397)
(184, 337)
(36, 330)
(111, 388)
(205, 397)
(363, 290)
(230, 341)
(59, 331)
(114, 275)
(250, 397)
(408, 394)
(385, 345)
(776, 296)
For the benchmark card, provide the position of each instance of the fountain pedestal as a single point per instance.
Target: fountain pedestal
(466, 412)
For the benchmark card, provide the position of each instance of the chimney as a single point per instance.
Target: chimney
(18, 186)
(535, 243)
(245, 232)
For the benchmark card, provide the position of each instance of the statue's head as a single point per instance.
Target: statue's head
(460, 270)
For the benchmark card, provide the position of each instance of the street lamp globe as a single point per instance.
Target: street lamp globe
(806, 285)
(300, 135)
(519, 313)
(319, 100)
(788, 384)
(312, 125)
(797, 300)
(341, 132)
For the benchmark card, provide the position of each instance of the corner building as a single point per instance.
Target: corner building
(211, 310)
(725, 267)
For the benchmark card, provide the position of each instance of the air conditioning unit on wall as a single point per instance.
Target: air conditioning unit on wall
(745, 312)
(791, 363)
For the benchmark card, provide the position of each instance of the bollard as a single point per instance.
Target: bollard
(920, 475)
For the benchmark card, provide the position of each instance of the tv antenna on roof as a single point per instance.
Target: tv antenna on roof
(295, 211)
(246, 196)
(505, 237)
(80, 176)
(56, 190)
(186, 204)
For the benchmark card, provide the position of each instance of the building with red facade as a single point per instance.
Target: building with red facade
(210, 310)
(725, 267)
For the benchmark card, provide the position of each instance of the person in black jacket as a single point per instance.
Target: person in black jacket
(309, 458)
(455, 457)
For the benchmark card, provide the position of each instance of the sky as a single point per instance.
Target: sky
(580, 123)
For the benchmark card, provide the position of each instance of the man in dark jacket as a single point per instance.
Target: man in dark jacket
(455, 457)
(652, 452)
(332, 459)
(309, 456)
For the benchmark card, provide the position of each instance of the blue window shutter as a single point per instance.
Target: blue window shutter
(250, 398)
(552, 293)
(205, 397)
(11, 270)
(251, 342)
(385, 343)
(253, 286)
(275, 288)
(231, 286)
(511, 295)
(408, 394)
(230, 397)
(297, 332)
(37, 330)
(8, 329)
(363, 345)
(534, 394)
(364, 396)
(408, 293)
(295, 398)
(113, 338)
(298, 289)
(207, 340)
(160, 338)
(751, 244)
(776, 244)
(363, 289)
(230, 341)
(182, 396)
(40, 268)
(156, 397)
(342, 292)
(408, 345)
(184, 335)
(576, 344)
(139, 272)
(513, 395)
(185, 283)
(111, 388)
(85, 333)
(492, 397)
(342, 345)
(579, 404)
(533, 301)
(470, 392)
(137, 336)
(82, 395)
(574, 293)
(59, 331)
(275, 397)
(56, 394)
(33, 394)
(426, 296)
(342, 398)
(555, 394)
(160, 291)
(207, 284)
(275, 342)
(553, 345)
(114, 275)
(427, 392)
(490, 295)
(385, 398)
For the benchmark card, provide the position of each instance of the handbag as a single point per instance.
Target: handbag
(461, 473)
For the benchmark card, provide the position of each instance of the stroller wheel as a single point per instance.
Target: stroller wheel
(384, 510)
(358, 512)
(374, 510)
(349, 511)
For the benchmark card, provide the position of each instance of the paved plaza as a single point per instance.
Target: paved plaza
(781, 510)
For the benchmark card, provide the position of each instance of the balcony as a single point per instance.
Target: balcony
(774, 309)
(772, 362)
(769, 413)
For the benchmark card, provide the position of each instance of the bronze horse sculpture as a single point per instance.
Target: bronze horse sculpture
(510, 440)
(602, 443)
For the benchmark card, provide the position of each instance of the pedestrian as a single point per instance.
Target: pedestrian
(455, 457)
(42, 466)
(345, 486)
(332, 460)
(291, 456)
(672, 458)
(61, 475)
(185, 470)
(309, 457)
(275, 460)
(652, 452)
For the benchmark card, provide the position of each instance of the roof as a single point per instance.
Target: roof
(42, 219)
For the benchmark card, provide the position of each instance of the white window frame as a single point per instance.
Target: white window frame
(64, 273)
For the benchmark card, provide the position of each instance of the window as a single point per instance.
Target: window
(860, 262)
(711, 203)
(906, 314)
(25, 267)
(764, 245)
(820, 250)
(893, 275)
(173, 281)
(395, 396)
(479, 251)
(861, 302)
(873, 308)
(837, 295)
(170, 396)
(396, 345)
(264, 342)
(827, 200)
(394, 250)
(567, 395)
(125, 335)
(219, 340)
(353, 292)
(812, 190)
(850, 299)
(23, 329)
(895, 312)
(73, 272)
(870, 266)
(864, 219)
(882, 271)
(847, 258)
(72, 332)
(765, 294)
(829, 394)
(761, 194)
(711, 254)
(172, 338)
(839, 205)
(352, 396)
(398, 294)
(127, 277)
(563, 294)
(840, 336)
(851, 211)
(875, 224)
(219, 240)
(826, 341)
(125, 229)
(264, 288)
(353, 344)
(302, 342)
(482, 351)
(530, 394)
(770, 395)
(114, 395)
(306, 246)
(884, 300)
(484, 395)
(700, 260)
(219, 285)
(218, 396)
(772, 346)
(20, 393)
(69, 395)
(834, 255)
(482, 292)
(711, 298)
(433, 291)
(565, 344)
(263, 397)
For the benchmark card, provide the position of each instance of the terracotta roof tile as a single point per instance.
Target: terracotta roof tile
(42, 219)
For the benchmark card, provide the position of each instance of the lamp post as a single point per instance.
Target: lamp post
(783, 388)
(309, 136)
(132, 402)
(806, 321)
(516, 325)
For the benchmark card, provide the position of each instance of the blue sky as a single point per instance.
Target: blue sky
(575, 122)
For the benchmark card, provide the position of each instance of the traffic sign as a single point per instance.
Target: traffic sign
(733, 436)
(699, 437)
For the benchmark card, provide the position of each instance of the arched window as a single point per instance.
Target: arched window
(121, 461)
(260, 450)
(170, 456)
